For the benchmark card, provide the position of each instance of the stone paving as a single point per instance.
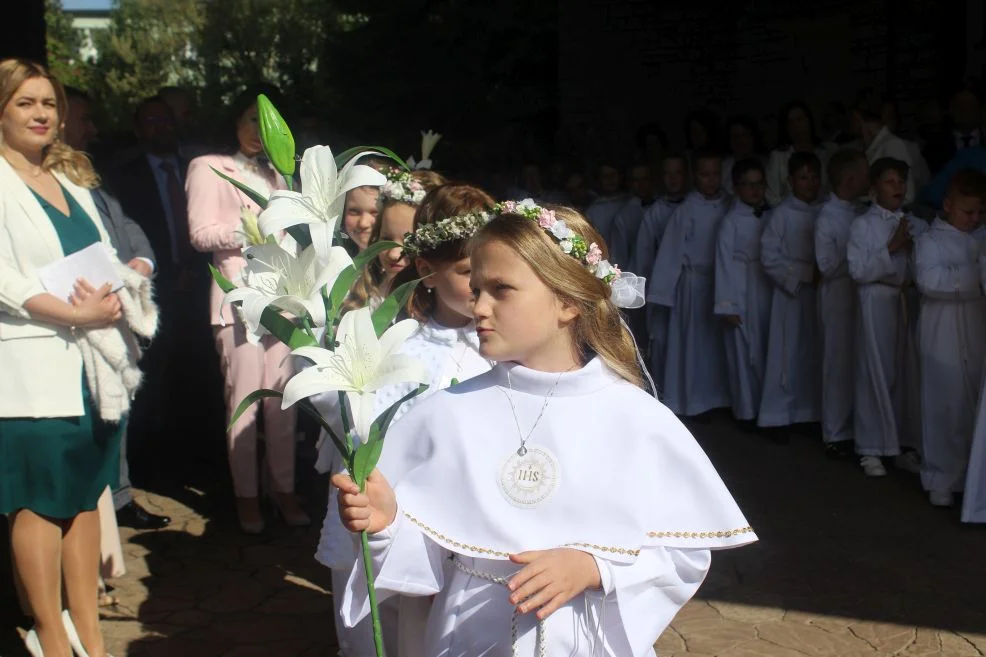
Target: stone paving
(845, 567)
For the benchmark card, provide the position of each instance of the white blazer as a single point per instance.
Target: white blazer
(40, 363)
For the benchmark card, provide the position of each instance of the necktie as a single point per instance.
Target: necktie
(179, 211)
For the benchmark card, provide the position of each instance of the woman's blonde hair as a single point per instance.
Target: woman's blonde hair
(368, 283)
(443, 202)
(599, 328)
(58, 155)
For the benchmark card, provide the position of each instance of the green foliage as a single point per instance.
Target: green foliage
(149, 44)
(64, 47)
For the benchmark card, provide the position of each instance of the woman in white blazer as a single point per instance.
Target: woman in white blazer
(56, 454)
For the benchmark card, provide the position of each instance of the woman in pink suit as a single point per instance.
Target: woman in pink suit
(214, 210)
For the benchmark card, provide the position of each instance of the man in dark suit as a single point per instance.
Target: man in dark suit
(181, 364)
(962, 130)
(133, 248)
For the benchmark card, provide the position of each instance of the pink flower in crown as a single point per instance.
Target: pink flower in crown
(509, 207)
(546, 218)
(594, 255)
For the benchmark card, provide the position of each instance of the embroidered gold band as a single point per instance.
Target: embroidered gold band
(726, 533)
(590, 546)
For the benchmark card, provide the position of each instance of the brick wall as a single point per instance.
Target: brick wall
(625, 62)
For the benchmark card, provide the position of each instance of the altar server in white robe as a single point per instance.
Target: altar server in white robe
(489, 510)
(694, 375)
(792, 392)
(974, 497)
(849, 173)
(743, 293)
(951, 334)
(602, 212)
(879, 257)
(674, 179)
(626, 226)
(447, 344)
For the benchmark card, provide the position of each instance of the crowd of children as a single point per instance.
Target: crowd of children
(825, 300)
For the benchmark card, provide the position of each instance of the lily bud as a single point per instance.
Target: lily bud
(276, 137)
(251, 227)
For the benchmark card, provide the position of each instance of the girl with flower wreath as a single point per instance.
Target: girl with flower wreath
(446, 342)
(551, 506)
(397, 202)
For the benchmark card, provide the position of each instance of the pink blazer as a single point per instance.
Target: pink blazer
(213, 219)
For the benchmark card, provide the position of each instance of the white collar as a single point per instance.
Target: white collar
(435, 332)
(591, 378)
(887, 214)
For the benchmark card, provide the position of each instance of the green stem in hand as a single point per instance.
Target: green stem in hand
(370, 587)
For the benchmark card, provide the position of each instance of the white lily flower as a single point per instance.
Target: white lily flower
(274, 276)
(361, 365)
(322, 198)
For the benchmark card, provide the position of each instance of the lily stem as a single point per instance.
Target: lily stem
(371, 589)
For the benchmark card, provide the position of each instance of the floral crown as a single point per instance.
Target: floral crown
(430, 236)
(590, 255)
(401, 186)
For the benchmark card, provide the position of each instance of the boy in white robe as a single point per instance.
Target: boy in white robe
(674, 179)
(849, 174)
(611, 200)
(878, 253)
(791, 392)
(742, 291)
(627, 224)
(951, 334)
(694, 375)
(974, 498)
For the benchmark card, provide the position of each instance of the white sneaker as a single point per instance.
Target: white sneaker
(873, 466)
(909, 461)
(941, 499)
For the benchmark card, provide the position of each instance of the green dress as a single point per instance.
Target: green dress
(58, 467)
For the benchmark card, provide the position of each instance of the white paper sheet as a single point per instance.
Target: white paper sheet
(92, 263)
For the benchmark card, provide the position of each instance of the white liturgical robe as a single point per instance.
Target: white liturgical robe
(463, 511)
(742, 289)
(886, 361)
(694, 376)
(837, 316)
(791, 384)
(951, 350)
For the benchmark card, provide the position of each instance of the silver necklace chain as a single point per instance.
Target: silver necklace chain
(522, 450)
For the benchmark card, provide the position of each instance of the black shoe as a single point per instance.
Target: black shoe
(135, 516)
(840, 450)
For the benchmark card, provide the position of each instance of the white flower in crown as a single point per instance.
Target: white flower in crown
(361, 365)
(605, 271)
(323, 196)
(560, 230)
(566, 245)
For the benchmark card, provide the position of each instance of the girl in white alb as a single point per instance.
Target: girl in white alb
(551, 506)
(447, 344)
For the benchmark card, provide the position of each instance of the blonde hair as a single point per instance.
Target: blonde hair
(58, 155)
(443, 202)
(599, 328)
(368, 283)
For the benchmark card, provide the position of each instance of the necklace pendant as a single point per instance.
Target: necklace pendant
(521, 451)
(528, 479)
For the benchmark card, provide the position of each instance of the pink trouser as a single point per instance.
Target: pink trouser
(246, 368)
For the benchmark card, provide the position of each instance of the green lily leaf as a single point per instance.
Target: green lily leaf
(300, 234)
(224, 283)
(250, 400)
(309, 408)
(348, 154)
(251, 193)
(384, 316)
(368, 454)
(344, 283)
(276, 137)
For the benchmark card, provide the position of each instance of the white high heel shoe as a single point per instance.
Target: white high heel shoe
(33, 644)
(73, 635)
